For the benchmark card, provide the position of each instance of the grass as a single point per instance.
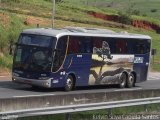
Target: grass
(119, 5)
(5, 64)
(70, 13)
(10, 31)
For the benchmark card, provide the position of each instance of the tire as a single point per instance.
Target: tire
(131, 80)
(69, 85)
(123, 80)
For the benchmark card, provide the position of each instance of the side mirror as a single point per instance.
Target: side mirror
(154, 51)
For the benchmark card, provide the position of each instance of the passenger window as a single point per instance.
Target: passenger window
(74, 45)
(80, 45)
(60, 53)
(121, 46)
(86, 45)
(140, 48)
(136, 46)
(97, 42)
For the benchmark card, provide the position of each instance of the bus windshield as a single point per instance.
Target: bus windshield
(36, 40)
(34, 53)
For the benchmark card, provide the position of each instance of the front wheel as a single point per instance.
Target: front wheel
(69, 83)
(123, 80)
(131, 81)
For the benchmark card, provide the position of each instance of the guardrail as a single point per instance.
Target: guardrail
(84, 107)
(69, 103)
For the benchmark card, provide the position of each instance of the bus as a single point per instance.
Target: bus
(73, 57)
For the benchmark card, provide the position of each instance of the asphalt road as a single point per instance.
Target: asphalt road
(9, 89)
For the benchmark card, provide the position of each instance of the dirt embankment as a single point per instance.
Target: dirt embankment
(4, 19)
(146, 25)
(136, 23)
(31, 20)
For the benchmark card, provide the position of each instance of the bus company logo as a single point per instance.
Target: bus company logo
(138, 60)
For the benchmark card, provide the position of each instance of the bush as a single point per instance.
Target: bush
(153, 10)
(124, 18)
(135, 12)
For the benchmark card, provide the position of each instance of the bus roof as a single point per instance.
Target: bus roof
(79, 31)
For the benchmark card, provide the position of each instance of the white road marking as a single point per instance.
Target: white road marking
(154, 78)
(128, 89)
(33, 95)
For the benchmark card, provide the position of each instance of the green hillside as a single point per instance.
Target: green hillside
(16, 15)
(150, 8)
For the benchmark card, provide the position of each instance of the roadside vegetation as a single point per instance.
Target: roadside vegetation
(16, 15)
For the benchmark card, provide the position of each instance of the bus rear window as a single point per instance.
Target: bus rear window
(37, 40)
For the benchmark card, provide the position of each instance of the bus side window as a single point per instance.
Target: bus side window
(73, 46)
(121, 46)
(141, 48)
(86, 45)
(97, 43)
(111, 44)
(60, 53)
(131, 47)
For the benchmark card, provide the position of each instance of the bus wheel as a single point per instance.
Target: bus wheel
(123, 80)
(131, 80)
(69, 83)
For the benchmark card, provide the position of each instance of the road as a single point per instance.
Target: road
(9, 89)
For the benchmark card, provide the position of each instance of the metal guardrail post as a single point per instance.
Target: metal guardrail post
(67, 116)
(145, 108)
(109, 112)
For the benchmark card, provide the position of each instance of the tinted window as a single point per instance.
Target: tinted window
(86, 45)
(38, 40)
(138, 46)
(121, 46)
(97, 42)
(60, 53)
(80, 45)
(74, 45)
(128, 46)
(116, 45)
(33, 58)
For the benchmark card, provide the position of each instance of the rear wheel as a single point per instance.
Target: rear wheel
(69, 83)
(131, 81)
(123, 80)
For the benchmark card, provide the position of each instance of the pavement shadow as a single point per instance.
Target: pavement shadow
(22, 87)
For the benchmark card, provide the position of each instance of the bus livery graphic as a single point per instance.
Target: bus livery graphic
(105, 68)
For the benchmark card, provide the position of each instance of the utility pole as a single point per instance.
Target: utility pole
(53, 12)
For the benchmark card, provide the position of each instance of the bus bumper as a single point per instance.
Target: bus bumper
(34, 82)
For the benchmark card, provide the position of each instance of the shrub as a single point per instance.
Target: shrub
(124, 18)
(135, 12)
(153, 10)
